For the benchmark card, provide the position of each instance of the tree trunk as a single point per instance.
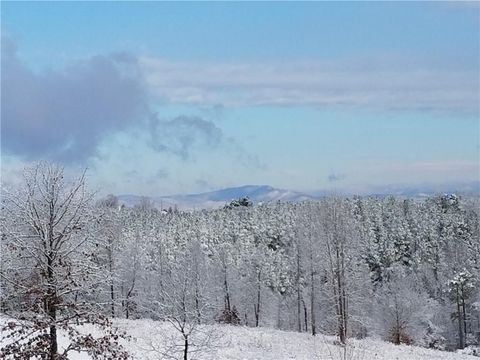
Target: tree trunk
(257, 307)
(51, 309)
(312, 310)
(344, 315)
(77, 321)
(197, 291)
(122, 290)
(312, 294)
(129, 294)
(197, 306)
(53, 340)
(396, 330)
(305, 315)
(342, 323)
(52, 291)
(461, 341)
(227, 293)
(464, 313)
(299, 296)
(342, 281)
(185, 349)
(112, 297)
(341, 315)
(110, 267)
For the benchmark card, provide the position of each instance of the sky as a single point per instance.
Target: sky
(159, 98)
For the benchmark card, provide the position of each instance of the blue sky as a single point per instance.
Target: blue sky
(162, 98)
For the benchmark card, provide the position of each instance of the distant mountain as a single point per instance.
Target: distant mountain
(265, 194)
(212, 199)
(257, 193)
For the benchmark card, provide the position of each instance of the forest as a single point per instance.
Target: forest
(405, 270)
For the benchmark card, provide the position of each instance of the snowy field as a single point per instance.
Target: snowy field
(152, 340)
(245, 343)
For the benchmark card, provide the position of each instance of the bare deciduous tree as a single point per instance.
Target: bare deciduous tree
(50, 229)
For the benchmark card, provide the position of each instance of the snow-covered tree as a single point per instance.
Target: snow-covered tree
(460, 289)
(51, 228)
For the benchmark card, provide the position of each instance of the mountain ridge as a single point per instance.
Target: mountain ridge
(267, 193)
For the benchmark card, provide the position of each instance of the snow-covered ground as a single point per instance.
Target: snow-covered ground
(150, 339)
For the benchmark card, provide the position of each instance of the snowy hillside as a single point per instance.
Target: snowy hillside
(153, 340)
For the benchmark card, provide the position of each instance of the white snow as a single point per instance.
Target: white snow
(149, 339)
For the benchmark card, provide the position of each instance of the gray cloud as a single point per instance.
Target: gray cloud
(157, 178)
(162, 173)
(336, 177)
(180, 134)
(243, 157)
(64, 115)
(184, 135)
(203, 185)
(131, 173)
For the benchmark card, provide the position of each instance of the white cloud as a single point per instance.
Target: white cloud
(382, 84)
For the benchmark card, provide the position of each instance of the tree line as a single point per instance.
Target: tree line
(402, 269)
